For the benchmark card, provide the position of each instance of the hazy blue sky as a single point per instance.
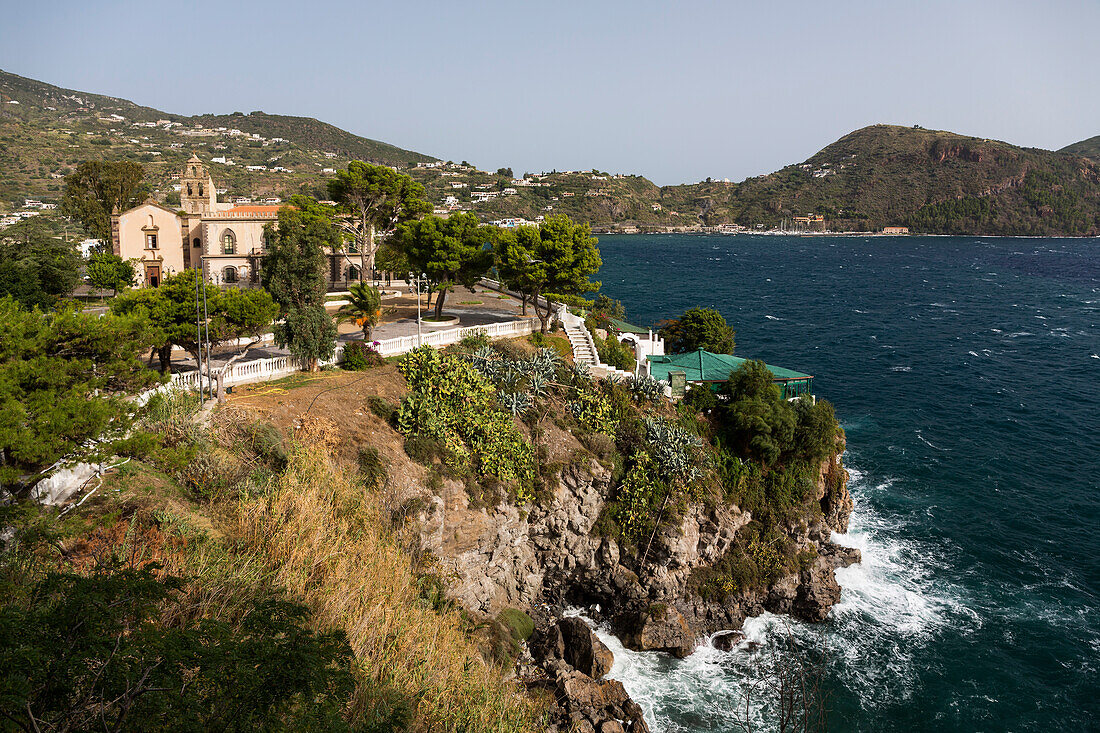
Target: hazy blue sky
(677, 91)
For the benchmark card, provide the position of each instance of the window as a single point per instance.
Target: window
(229, 275)
(229, 242)
(353, 273)
(150, 241)
(196, 242)
(189, 191)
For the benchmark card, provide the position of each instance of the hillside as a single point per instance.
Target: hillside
(932, 181)
(45, 131)
(883, 175)
(1086, 148)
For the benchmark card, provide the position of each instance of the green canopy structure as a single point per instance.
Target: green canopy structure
(624, 327)
(705, 367)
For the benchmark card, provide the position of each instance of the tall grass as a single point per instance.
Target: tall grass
(323, 534)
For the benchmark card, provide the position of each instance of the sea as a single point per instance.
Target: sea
(966, 374)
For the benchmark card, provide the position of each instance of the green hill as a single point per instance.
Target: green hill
(45, 131)
(1086, 148)
(931, 181)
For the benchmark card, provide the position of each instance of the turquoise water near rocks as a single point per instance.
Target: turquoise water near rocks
(966, 372)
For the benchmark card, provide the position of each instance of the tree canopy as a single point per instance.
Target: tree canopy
(698, 328)
(293, 272)
(450, 251)
(378, 198)
(99, 188)
(364, 307)
(171, 310)
(62, 376)
(557, 257)
(756, 422)
(84, 652)
(108, 271)
(36, 268)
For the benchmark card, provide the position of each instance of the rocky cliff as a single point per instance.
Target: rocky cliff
(552, 558)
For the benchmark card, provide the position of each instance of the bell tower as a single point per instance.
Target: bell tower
(197, 194)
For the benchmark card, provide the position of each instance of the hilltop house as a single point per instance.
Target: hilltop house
(224, 240)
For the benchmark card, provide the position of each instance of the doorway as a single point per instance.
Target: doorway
(152, 275)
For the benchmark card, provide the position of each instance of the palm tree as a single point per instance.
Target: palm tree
(364, 306)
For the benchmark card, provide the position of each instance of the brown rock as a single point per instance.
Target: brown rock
(660, 628)
(583, 650)
(611, 726)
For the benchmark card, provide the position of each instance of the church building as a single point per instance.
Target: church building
(225, 241)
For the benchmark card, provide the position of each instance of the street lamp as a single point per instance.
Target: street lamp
(414, 278)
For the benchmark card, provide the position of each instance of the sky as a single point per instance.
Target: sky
(675, 91)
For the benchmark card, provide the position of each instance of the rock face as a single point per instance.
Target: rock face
(573, 660)
(550, 558)
(571, 641)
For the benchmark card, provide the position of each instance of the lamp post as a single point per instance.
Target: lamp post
(414, 278)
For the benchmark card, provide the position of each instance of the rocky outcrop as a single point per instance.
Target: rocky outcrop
(550, 558)
(659, 628)
(574, 659)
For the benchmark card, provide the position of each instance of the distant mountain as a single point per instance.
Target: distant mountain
(1086, 148)
(883, 175)
(931, 181)
(46, 130)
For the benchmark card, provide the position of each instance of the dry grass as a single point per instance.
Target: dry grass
(322, 533)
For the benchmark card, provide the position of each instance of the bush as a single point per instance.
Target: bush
(372, 467)
(358, 356)
(382, 407)
(474, 341)
(424, 449)
(267, 440)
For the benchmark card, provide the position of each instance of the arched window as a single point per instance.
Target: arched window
(192, 171)
(196, 242)
(229, 242)
(229, 275)
(189, 190)
(200, 190)
(354, 273)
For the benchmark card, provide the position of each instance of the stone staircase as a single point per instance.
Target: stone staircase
(584, 350)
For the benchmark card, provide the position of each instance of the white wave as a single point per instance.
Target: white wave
(901, 369)
(1095, 356)
(773, 318)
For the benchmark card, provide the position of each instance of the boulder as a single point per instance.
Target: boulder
(659, 628)
(726, 640)
(583, 650)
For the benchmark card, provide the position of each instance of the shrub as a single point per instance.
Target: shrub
(593, 410)
(267, 440)
(372, 467)
(358, 356)
(475, 340)
(382, 407)
(423, 449)
(638, 500)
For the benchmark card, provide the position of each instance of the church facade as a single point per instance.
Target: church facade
(223, 240)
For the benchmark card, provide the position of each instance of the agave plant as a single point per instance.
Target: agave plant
(516, 402)
(538, 384)
(673, 448)
(645, 387)
(581, 372)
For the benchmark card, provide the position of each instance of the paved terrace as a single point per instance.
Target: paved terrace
(398, 319)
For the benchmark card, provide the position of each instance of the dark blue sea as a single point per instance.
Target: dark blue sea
(966, 373)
